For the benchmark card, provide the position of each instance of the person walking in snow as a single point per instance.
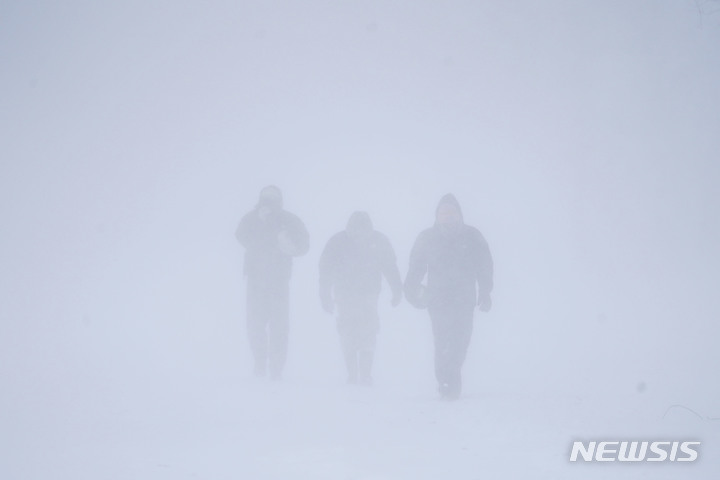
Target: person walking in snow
(271, 236)
(352, 265)
(456, 260)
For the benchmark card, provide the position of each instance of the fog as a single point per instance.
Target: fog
(579, 137)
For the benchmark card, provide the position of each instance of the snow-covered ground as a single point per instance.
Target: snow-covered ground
(291, 430)
(144, 409)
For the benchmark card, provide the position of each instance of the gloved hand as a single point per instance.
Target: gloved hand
(286, 245)
(484, 302)
(417, 297)
(396, 298)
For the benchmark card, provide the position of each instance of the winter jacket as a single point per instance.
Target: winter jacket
(354, 261)
(458, 266)
(270, 244)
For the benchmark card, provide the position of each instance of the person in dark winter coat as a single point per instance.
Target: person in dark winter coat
(271, 236)
(459, 268)
(351, 269)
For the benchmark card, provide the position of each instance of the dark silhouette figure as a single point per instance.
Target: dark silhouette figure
(456, 260)
(351, 269)
(271, 237)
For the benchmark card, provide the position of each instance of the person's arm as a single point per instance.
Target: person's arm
(245, 231)
(296, 234)
(417, 269)
(390, 271)
(326, 275)
(484, 274)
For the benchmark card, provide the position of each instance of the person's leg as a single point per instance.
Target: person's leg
(277, 305)
(357, 326)
(350, 354)
(441, 341)
(256, 324)
(459, 339)
(346, 327)
(368, 326)
(452, 330)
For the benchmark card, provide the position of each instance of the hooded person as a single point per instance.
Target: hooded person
(271, 236)
(352, 266)
(456, 260)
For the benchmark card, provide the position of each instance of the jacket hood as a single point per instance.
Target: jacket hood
(448, 199)
(359, 224)
(270, 196)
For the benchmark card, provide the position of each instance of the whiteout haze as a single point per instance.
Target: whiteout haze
(635, 451)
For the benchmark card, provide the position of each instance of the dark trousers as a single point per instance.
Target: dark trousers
(267, 325)
(452, 329)
(358, 324)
